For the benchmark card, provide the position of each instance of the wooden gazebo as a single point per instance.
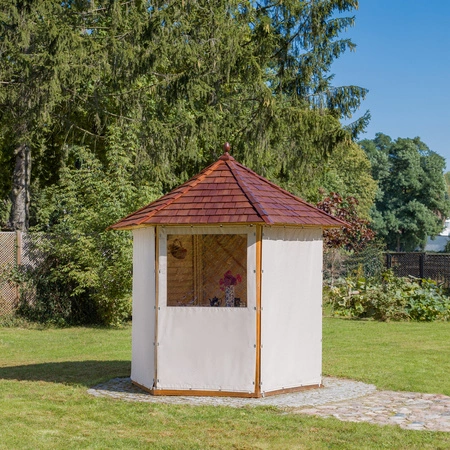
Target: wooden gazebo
(227, 287)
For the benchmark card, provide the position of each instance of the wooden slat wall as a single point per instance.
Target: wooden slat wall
(194, 280)
(220, 254)
(180, 280)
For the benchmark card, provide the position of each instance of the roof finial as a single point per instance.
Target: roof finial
(226, 156)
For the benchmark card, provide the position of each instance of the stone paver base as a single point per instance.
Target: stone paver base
(345, 400)
(409, 410)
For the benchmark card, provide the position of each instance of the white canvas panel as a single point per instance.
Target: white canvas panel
(207, 348)
(291, 317)
(143, 328)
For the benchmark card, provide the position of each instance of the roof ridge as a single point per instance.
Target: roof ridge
(250, 197)
(192, 182)
(298, 199)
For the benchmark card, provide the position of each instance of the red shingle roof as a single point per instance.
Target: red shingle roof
(227, 192)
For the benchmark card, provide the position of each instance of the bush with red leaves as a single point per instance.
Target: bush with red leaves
(357, 234)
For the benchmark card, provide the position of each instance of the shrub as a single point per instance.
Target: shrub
(84, 273)
(388, 297)
(357, 234)
(428, 303)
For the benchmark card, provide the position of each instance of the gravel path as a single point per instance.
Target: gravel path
(346, 400)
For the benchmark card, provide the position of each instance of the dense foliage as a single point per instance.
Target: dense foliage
(388, 297)
(181, 78)
(412, 201)
(105, 105)
(84, 271)
(447, 182)
(349, 173)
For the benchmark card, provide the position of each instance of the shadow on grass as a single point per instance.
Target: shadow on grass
(85, 373)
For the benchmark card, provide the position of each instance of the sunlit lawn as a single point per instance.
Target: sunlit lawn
(44, 376)
(407, 356)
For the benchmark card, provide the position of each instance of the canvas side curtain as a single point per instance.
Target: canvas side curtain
(291, 317)
(144, 290)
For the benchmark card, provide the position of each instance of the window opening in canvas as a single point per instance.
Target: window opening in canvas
(207, 270)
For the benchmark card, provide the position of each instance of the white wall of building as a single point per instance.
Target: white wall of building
(143, 330)
(291, 324)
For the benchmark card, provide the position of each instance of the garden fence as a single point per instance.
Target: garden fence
(338, 264)
(9, 258)
(435, 266)
(16, 250)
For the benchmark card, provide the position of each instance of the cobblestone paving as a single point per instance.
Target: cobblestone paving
(410, 410)
(345, 400)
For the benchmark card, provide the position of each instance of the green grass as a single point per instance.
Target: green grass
(44, 404)
(404, 356)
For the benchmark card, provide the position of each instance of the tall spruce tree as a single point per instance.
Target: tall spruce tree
(412, 201)
(181, 77)
(162, 85)
(252, 74)
(43, 60)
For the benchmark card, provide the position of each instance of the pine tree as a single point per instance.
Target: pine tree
(42, 60)
(160, 85)
(180, 77)
(215, 72)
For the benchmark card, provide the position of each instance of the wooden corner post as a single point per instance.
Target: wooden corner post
(258, 309)
(156, 337)
(19, 248)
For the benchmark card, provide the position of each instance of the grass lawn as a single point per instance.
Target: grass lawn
(44, 375)
(404, 356)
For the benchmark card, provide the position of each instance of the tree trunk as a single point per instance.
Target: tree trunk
(20, 193)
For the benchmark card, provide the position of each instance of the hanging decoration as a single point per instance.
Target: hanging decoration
(177, 250)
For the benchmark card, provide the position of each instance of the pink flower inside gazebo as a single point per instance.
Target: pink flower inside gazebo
(229, 280)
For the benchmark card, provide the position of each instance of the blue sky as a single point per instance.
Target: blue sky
(403, 58)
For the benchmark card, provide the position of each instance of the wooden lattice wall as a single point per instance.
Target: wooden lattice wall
(196, 264)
